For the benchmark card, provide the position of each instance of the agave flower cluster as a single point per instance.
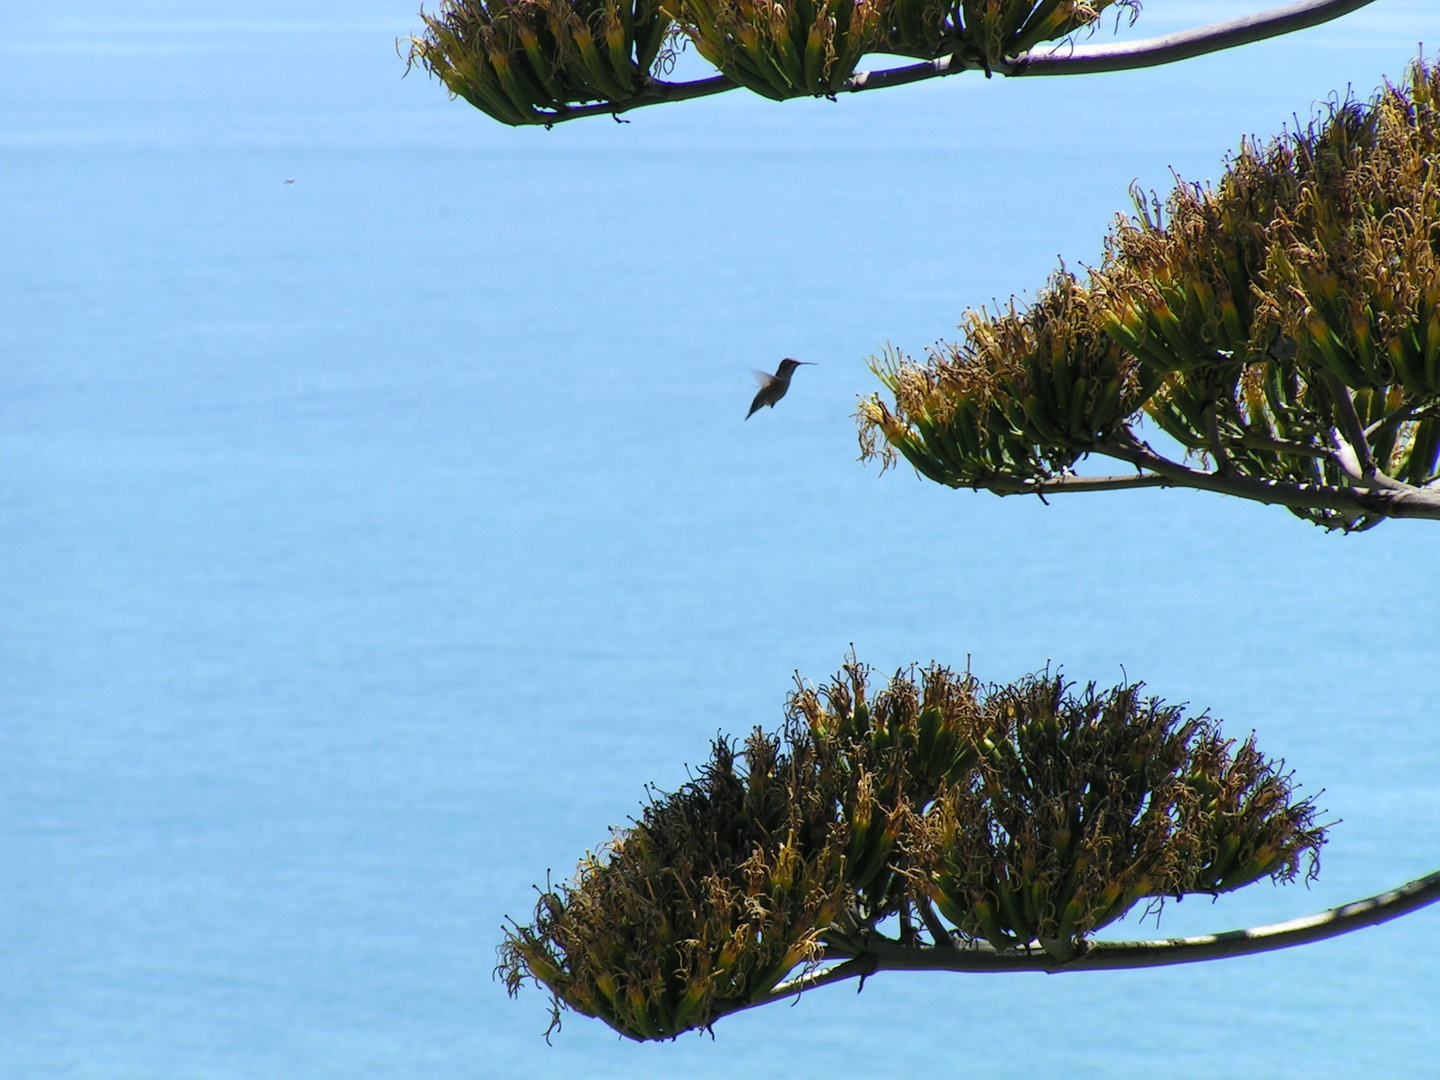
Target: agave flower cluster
(520, 61)
(1282, 325)
(1022, 815)
(529, 61)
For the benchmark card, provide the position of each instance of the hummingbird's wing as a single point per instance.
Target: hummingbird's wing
(762, 378)
(761, 399)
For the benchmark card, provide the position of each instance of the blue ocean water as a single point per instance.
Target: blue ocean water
(368, 542)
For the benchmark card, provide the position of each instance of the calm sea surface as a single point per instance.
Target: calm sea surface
(368, 542)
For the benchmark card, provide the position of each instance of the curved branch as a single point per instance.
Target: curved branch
(1059, 59)
(1127, 56)
(883, 954)
(1400, 416)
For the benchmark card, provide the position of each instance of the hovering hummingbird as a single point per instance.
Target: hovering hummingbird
(773, 387)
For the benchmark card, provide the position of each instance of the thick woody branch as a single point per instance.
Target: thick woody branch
(1387, 497)
(878, 953)
(1383, 495)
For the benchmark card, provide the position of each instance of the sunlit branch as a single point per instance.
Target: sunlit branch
(878, 953)
(1067, 59)
(1126, 56)
(1350, 421)
(1396, 418)
(655, 92)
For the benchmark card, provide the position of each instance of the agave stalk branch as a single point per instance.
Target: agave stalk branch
(1070, 482)
(884, 954)
(1383, 496)
(1354, 431)
(1061, 59)
(1217, 446)
(943, 938)
(654, 92)
(1398, 417)
(1068, 59)
(1215, 37)
(1284, 446)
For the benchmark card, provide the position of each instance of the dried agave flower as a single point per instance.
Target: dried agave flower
(1239, 811)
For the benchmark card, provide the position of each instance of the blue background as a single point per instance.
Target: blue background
(367, 543)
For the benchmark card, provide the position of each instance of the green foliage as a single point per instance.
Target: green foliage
(527, 61)
(1027, 813)
(1284, 325)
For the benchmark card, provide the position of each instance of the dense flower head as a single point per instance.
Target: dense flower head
(1029, 814)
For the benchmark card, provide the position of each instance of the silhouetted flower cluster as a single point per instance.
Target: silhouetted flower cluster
(527, 61)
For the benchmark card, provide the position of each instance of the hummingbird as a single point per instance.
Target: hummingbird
(773, 387)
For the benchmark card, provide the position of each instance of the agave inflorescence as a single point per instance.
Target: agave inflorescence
(1026, 813)
(1083, 805)
(1023, 396)
(533, 61)
(717, 893)
(882, 757)
(1283, 324)
(525, 61)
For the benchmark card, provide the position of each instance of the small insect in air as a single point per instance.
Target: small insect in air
(773, 387)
